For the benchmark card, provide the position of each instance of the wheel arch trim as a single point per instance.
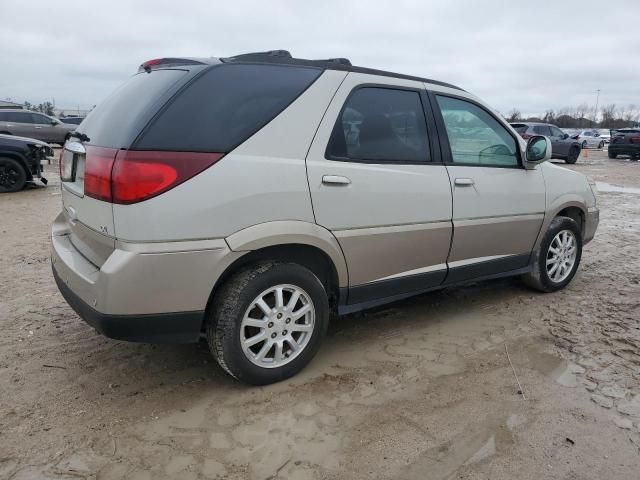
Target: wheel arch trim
(559, 204)
(286, 232)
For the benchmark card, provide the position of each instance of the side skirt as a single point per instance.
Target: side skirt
(363, 297)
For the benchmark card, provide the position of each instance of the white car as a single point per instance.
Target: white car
(605, 134)
(245, 200)
(590, 139)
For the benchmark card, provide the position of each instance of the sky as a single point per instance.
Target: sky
(532, 56)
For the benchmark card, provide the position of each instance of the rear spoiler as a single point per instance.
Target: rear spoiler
(155, 63)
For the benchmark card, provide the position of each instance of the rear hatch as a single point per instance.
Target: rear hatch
(88, 156)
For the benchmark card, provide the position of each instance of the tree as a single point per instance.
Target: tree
(609, 116)
(549, 116)
(514, 115)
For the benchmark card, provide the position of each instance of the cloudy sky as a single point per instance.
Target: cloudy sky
(529, 55)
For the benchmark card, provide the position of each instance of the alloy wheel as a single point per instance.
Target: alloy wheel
(277, 326)
(561, 256)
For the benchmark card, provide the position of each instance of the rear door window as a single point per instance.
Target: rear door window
(19, 117)
(380, 124)
(225, 106)
(519, 127)
(542, 130)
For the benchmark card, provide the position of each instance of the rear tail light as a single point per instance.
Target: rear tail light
(97, 172)
(140, 175)
(634, 138)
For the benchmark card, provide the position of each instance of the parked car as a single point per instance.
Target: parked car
(72, 120)
(564, 147)
(605, 135)
(625, 141)
(34, 125)
(21, 162)
(589, 139)
(244, 199)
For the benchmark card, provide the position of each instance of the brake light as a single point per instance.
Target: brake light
(141, 175)
(97, 172)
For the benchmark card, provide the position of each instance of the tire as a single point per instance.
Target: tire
(13, 177)
(573, 155)
(601, 145)
(611, 154)
(584, 145)
(235, 304)
(540, 278)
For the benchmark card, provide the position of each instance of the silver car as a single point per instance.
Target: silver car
(245, 200)
(25, 123)
(590, 139)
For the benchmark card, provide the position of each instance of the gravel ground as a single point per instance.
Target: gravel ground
(419, 389)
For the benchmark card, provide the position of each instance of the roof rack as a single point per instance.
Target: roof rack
(344, 64)
(279, 56)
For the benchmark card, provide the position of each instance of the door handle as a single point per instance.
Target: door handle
(464, 182)
(335, 180)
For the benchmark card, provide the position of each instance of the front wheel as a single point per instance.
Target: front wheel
(612, 155)
(13, 177)
(574, 153)
(558, 256)
(584, 144)
(267, 322)
(601, 145)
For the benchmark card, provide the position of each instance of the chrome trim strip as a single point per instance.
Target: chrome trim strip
(431, 268)
(381, 229)
(471, 261)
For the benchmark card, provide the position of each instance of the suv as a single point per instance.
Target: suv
(245, 199)
(625, 141)
(36, 125)
(564, 147)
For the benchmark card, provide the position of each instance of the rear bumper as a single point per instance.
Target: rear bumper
(182, 327)
(591, 221)
(153, 292)
(625, 148)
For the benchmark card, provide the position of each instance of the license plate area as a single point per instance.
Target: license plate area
(72, 168)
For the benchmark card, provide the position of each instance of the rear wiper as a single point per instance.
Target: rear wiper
(81, 136)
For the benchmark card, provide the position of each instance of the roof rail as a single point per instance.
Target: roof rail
(259, 55)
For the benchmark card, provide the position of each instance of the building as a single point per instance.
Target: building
(8, 104)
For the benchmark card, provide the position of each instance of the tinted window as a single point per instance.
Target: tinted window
(475, 136)
(519, 127)
(542, 130)
(112, 121)
(556, 132)
(3, 116)
(19, 117)
(41, 119)
(225, 106)
(381, 124)
(73, 120)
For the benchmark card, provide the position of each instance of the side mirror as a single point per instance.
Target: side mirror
(538, 151)
(54, 122)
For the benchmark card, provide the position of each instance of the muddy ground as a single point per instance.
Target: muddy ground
(421, 389)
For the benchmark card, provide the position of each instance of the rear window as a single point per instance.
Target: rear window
(225, 106)
(519, 127)
(111, 123)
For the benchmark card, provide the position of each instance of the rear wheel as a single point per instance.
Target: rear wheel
(558, 257)
(611, 154)
(584, 144)
(574, 153)
(267, 322)
(12, 175)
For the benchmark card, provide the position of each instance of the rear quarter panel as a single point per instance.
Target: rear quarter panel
(262, 180)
